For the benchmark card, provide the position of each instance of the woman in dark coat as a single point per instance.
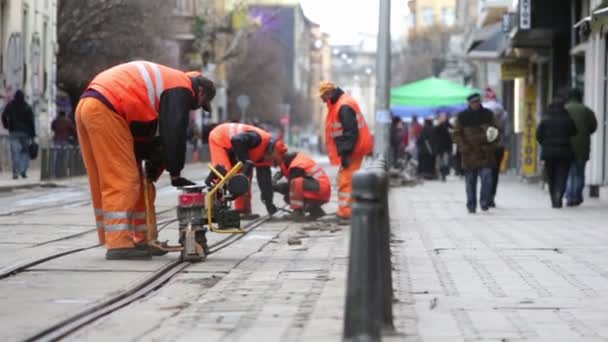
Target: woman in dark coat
(554, 135)
(427, 145)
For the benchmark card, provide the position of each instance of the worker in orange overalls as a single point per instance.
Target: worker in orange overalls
(348, 141)
(307, 187)
(128, 113)
(230, 143)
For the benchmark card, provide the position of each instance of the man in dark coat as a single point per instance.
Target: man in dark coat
(586, 125)
(478, 153)
(18, 119)
(444, 145)
(554, 134)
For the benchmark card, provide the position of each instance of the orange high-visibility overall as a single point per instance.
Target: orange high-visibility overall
(107, 135)
(364, 146)
(299, 197)
(220, 146)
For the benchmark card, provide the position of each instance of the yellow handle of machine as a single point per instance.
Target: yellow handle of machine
(210, 198)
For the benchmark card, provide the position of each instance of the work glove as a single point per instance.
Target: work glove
(181, 181)
(345, 162)
(271, 208)
(153, 170)
(212, 178)
(277, 177)
(247, 168)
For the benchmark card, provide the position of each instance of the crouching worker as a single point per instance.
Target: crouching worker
(230, 143)
(307, 187)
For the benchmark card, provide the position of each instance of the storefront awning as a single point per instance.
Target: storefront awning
(482, 34)
(491, 48)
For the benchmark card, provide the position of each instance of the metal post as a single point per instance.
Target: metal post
(383, 81)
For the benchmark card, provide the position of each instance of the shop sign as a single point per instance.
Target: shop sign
(525, 14)
(513, 70)
(529, 134)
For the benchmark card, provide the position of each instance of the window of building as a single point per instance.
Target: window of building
(183, 7)
(411, 23)
(25, 24)
(3, 32)
(428, 16)
(45, 43)
(447, 16)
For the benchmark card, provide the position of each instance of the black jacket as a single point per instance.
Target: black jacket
(427, 142)
(346, 143)
(444, 139)
(241, 144)
(555, 132)
(18, 116)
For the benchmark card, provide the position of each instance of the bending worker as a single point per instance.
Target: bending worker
(121, 110)
(348, 141)
(230, 143)
(307, 187)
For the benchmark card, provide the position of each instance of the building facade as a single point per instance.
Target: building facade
(28, 46)
(425, 14)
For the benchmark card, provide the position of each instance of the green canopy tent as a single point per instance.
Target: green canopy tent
(428, 96)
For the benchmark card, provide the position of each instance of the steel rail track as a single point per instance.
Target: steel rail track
(147, 285)
(19, 268)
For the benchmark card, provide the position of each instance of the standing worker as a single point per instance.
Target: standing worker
(230, 143)
(307, 187)
(120, 112)
(348, 140)
(475, 133)
(586, 125)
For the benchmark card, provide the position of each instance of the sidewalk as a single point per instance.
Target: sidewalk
(520, 272)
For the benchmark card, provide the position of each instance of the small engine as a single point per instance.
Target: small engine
(192, 218)
(193, 215)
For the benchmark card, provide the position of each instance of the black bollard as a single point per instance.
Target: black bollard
(363, 309)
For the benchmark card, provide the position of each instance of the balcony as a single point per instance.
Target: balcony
(492, 11)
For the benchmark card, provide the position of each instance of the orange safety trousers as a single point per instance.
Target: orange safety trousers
(298, 197)
(219, 156)
(115, 177)
(345, 187)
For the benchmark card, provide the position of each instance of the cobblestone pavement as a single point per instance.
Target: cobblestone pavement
(521, 272)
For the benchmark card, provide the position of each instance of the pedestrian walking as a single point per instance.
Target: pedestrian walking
(18, 119)
(444, 145)
(475, 133)
(586, 125)
(427, 146)
(397, 133)
(64, 130)
(348, 140)
(554, 134)
(502, 120)
(118, 117)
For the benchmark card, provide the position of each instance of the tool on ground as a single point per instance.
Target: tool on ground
(208, 207)
(152, 232)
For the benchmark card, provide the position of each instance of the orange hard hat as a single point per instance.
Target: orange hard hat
(325, 87)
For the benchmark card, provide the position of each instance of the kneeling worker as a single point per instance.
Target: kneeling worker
(307, 187)
(230, 143)
(122, 109)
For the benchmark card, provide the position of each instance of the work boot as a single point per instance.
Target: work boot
(315, 213)
(155, 251)
(249, 216)
(297, 216)
(342, 221)
(135, 253)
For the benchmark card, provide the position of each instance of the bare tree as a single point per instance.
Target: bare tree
(424, 56)
(259, 73)
(94, 35)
